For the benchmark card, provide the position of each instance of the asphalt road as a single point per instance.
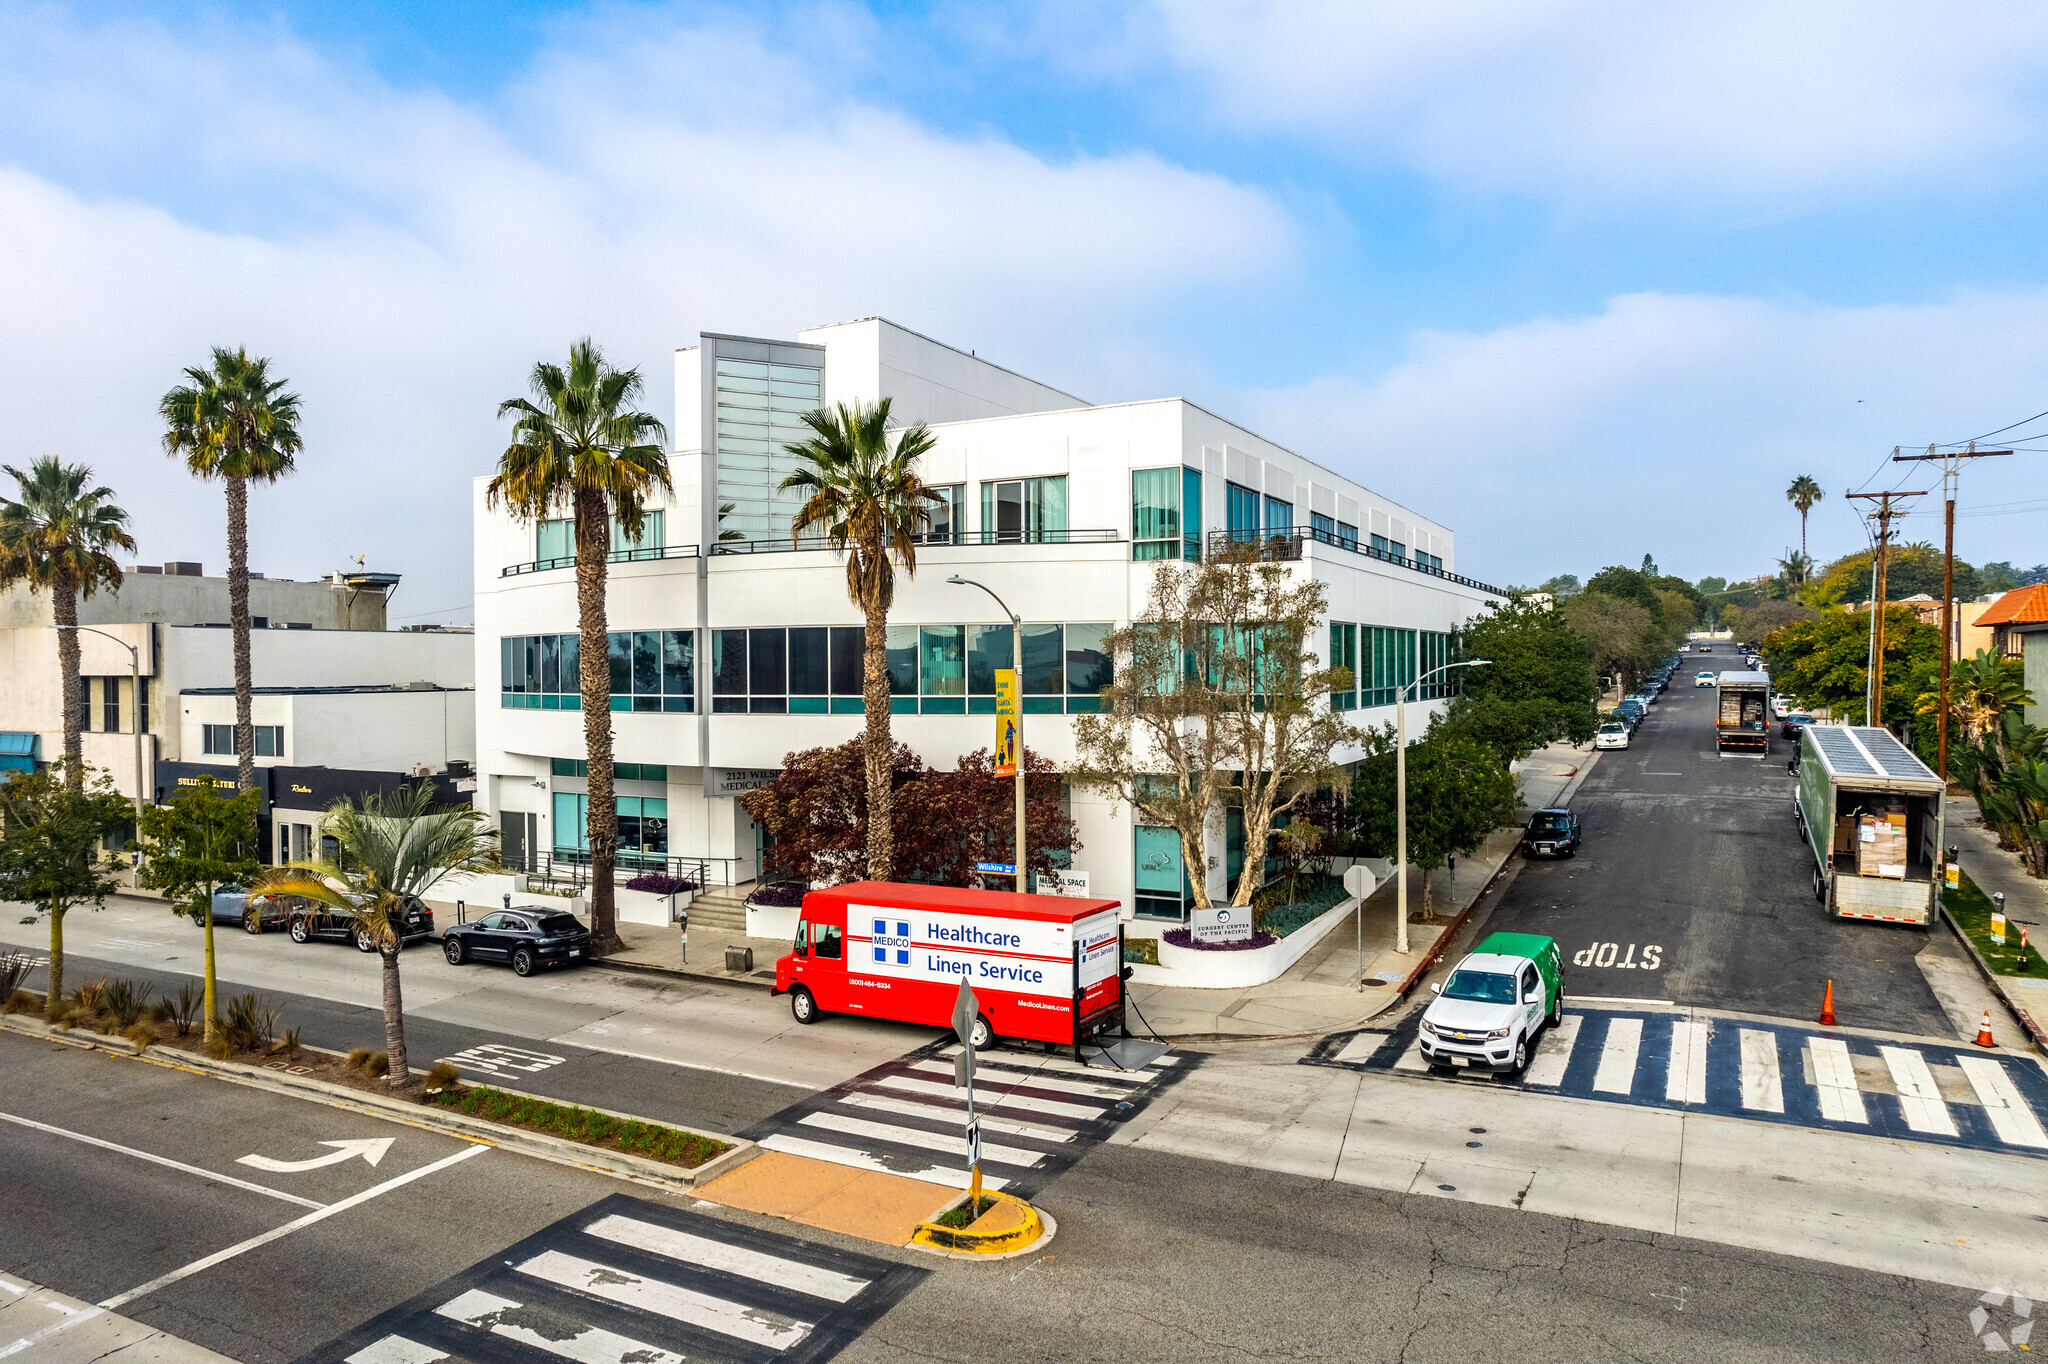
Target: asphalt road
(1694, 887)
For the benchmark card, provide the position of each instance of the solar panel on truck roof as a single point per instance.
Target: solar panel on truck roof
(1841, 751)
(1895, 758)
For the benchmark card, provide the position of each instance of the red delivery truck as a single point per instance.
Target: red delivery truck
(1046, 968)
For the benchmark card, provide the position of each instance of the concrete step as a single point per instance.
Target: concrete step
(719, 912)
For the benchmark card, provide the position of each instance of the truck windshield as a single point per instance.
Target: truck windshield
(1482, 986)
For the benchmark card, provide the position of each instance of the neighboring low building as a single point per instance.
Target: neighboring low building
(1971, 634)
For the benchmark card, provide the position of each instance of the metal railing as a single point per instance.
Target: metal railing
(1285, 545)
(572, 870)
(617, 556)
(785, 545)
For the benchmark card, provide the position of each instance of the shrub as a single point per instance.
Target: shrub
(781, 895)
(657, 883)
(584, 1124)
(357, 1056)
(1181, 937)
(14, 969)
(288, 1043)
(219, 1047)
(22, 1002)
(251, 1021)
(60, 1010)
(378, 1066)
(443, 1075)
(142, 1035)
(1145, 950)
(86, 998)
(182, 1009)
(125, 1001)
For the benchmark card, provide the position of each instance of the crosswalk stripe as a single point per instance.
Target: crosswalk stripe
(1066, 1065)
(756, 1325)
(702, 1250)
(998, 1078)
(2010, 1117)
(949, 1143)
(1554, 1052)
(1617, 1071)
(1361, 1047)
(1685, 1077)
(396, 1350)
(1919, 1099)
(864, 1160)
(1834, 1081)
(1763, 1086)
(1411, 1059)
(591, 1345)
(1015, 1127)
(1023, 1102)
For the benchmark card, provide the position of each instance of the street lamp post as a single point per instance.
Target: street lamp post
(1401, 798)
(1016, 662)
(135, 691)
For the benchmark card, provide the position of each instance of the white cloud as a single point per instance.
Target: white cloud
(1743, 103)
(1671, 425)
(405, 257)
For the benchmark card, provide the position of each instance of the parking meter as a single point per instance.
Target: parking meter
(508, 899)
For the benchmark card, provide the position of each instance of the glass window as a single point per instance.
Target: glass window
(1324, 527)
(647, 662)
(531, 647)
(942, 654)
(505, 663)
(808, 668)
(270, 741)
(1044, 662)
(551, 663)
(1397, 549)
(568, 650)
(1026, 510)
(1242, 507)
(849, 660)
(1279, 515)
(989, 648)
(948, 514)
(1347, 535)
(619, 653)
(1155, 513)
(554, 540)
(571, 823)
(1191, 514)
(729, 662)
(900, 655)
(1160, 876)
(650, 534)
(1089, 667)
(678, 659)
(825, 940)
(1344, 654)
(1379, 544)
(768, 662)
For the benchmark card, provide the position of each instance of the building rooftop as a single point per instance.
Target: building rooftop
(2020, 604)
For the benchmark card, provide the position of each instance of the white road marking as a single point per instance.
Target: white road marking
(1763, 1085)
(2010, 1117)
(395, 1350)
(71, 1318)
(994, 1079)
(1685, 1079)
(581, 1038)
(862, 1160)
(1617, 1073)
(1919, 1100)
(884, 1104)
(591, 1345)
(756, 1325)
(702, 1250)
(1022, 1102)
(371, 1149)
(221, 1256)
(1834, 1079)
(913, 1136)
(161, 1160)
(1411, 1059)
(1554, 1052)
(1361, 1047)
(495, 1058)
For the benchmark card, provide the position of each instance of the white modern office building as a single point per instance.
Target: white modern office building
(728, 654)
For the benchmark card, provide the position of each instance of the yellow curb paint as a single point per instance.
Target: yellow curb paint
(1010, 1226)
(819, 1193)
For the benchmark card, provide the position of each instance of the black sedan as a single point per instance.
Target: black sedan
(528, 936)
(1552, 833)
(332, 925)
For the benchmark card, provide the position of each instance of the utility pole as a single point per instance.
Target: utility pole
(1883, 516)
(1951, 477)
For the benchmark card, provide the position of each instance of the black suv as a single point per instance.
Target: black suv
(1552, 833)
(332, 925)
(528, 936)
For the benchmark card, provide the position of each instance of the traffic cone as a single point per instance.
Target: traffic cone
(1827, 1007)
(1984, 1032)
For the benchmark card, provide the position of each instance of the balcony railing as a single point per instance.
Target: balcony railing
(569, 870)
(1285, 544)
(783, 544)
(617, 556)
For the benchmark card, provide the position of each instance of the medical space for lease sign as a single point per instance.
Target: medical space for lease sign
(1030, 956)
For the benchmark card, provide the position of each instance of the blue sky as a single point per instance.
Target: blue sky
(1582, 279)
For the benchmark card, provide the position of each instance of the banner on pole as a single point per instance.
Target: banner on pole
(1006, 722)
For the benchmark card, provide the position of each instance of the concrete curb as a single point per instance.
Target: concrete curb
(618, 1164)
(2036, 1036)
(645, 968)
(1037, 1229)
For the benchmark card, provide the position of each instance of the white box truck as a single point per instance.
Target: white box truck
(1872, 814)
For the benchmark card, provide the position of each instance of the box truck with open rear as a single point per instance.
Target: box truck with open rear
(1872, 813)
(1742, 712)
(1047, 968)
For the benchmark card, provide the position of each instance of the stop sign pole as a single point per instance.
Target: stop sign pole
(966, 1008)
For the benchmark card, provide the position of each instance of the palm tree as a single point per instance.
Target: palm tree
(581, 446)
(392, 851)
(56, 535)
(1796, 569)
(870, 503)
(1803, 493)
(235, 423)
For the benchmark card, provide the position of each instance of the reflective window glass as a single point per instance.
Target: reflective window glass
(729, 662)
(989, 647)
(942, 654)
(1044, 664)
(808, 668)
(647, 662)
(767, 662)
(619, 652)
(677, 673)
(1089, 668)
(849, 664)
(900, 653)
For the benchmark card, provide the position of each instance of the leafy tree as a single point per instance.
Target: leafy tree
(816, 811)
(1623, 639)
(579, 445)
(1218, 700)
(1911, 570)
(864, 494)
(1537, 686)
(1803, 494)
(1629, 585)
(2003, 577)
(394, 849)
(1712, 587)
(198, 842)
(233, 422)
(55, 535)
(1563, 587)
(1756, 622)
(51, 829)
(1825, 662)
(1459, 791)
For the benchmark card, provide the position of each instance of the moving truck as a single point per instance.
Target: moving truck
(1742, 712)
(1872, 814)
(1046, 968)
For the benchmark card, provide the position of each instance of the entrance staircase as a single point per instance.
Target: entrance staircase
(720, 910)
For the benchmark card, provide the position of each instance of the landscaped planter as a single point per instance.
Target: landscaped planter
(1197, 969)
(777, 922)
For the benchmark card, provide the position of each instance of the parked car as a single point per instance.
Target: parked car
(528, 936)
(1782, 703)
(324, 923)
(1795, 720)
(1703, 648)
(1552, 833)
(1496, 1003)
(1631, 711)
(1612, 734)
(1705, 679)
(1648, 696)
(232, 905)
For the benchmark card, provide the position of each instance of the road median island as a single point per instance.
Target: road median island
(1006, 1226)
(617, 1144)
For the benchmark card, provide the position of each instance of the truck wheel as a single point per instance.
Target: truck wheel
(1557, 1009)
(1820, 889)
(983, 1036)
(1521, 1056)
(802, 1006)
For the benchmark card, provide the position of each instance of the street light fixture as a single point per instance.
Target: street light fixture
(135, 691)
(1017, 662)
(1401, 797)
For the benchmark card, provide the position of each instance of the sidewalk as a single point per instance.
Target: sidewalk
(2026, 899)
(658, 949)
(1320, 993)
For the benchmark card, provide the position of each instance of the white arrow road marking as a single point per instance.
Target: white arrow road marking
(371, 1149)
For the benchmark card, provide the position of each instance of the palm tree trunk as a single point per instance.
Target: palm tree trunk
(238, 620)
(55, 991)
(1802, 532)
(399, 1076)
(875, 699)
(593, 552)
(64, 609)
